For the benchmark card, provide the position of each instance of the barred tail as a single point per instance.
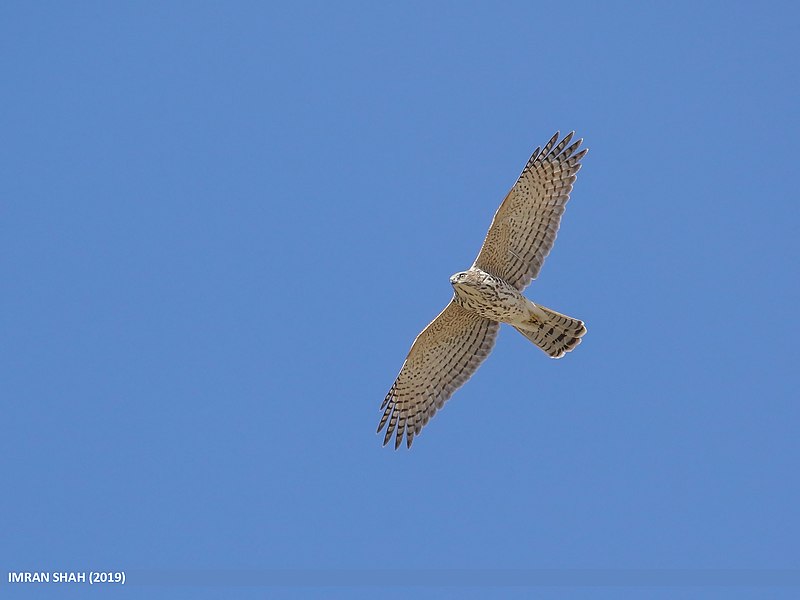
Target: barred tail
(556, 334)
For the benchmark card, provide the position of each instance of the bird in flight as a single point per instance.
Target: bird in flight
(452, 347)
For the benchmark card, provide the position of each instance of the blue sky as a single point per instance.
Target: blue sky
(223, 224)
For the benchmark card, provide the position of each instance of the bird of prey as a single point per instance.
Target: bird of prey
(452, 347)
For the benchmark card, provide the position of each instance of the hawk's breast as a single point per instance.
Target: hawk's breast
(490, 297)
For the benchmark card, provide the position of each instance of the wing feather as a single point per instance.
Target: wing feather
(525, 226)
(442, 358)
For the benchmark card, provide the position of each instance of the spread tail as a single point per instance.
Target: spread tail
(556, 334)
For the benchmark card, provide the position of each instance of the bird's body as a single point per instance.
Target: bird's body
(490, 297)
(496, 299)
(450, 349)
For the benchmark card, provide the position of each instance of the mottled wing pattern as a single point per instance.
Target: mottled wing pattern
(524, 227)
(446, 354)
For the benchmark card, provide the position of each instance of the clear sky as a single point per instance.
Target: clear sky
(223, 224)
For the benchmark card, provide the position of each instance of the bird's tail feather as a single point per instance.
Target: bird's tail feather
(555, 333)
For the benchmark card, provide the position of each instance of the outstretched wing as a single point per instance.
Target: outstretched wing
(524, 227)
(447, 352)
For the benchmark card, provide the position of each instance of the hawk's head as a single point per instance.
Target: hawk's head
(459, 277)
